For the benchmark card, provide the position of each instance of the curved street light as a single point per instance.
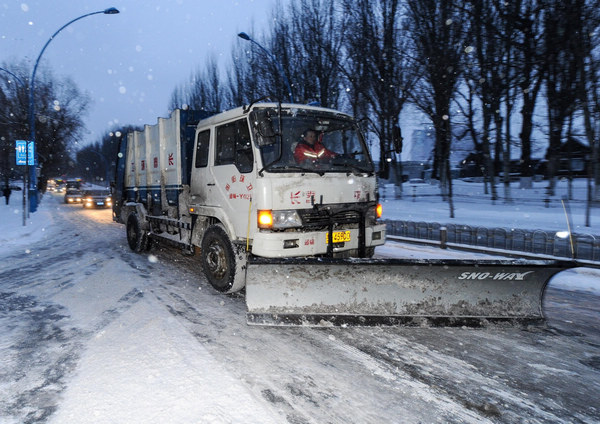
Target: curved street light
(245, 36)
(31, 172)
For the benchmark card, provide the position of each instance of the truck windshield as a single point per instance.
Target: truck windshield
(310, 141)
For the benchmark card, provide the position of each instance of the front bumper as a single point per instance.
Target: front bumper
(270, 244)
(96, 204)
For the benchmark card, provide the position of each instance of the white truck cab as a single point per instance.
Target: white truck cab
(245, 173)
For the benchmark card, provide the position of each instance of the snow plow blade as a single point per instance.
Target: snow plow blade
(326, 292)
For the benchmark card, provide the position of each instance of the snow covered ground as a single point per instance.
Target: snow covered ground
(93, 333)
(421, 202)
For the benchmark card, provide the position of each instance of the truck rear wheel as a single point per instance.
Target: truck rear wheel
(136, 236)
(222, 263)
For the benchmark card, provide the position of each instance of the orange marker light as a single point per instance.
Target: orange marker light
(379, 210)
(265, 219)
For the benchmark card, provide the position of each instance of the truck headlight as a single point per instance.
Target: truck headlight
(286, 219)
(278, 219)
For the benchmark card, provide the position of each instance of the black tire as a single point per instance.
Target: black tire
(222, 263)
(136, 235)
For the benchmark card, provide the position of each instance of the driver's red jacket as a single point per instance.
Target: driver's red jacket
(305, 151)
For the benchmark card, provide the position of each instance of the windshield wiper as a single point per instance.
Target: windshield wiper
(288, 167)
(348, 164)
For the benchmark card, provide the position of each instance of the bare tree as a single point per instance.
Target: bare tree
(355, 57)
(243, 77)
(97, 161)
(529, 72)
(437, 32)
(490, 77)
(382, 52)
(562, 20)
(281, 59)
(60, 108)
(316, 44)
(588, 93)
(202, 92)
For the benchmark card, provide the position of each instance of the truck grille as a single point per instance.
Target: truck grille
(315, 218)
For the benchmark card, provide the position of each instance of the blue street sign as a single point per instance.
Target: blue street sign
(21, 155)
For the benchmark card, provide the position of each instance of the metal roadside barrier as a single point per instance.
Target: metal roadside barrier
(584, 247)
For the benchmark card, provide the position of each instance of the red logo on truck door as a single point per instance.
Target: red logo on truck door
(171, 160)
(236, 188)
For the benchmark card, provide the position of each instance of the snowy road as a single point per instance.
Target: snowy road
(93, 333)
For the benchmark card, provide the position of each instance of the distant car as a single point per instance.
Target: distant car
(96, 199)
(74, 184)
(72, 196)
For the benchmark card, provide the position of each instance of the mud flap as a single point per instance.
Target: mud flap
(396, 291)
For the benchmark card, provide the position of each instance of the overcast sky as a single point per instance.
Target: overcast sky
(129, 63)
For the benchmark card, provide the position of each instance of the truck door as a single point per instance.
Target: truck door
(225, 179)
(202, 180)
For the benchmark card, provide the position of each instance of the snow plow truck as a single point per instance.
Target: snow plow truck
(281, 200)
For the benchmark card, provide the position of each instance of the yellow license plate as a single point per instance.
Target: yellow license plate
(339, 237)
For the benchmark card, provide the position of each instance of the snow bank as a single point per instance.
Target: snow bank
(37, 226)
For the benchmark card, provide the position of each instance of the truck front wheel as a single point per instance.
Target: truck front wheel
(222, 263)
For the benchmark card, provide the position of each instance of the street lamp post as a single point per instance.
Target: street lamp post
(30, 172)
(245, 36)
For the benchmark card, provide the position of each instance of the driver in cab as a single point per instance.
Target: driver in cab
(311, 150)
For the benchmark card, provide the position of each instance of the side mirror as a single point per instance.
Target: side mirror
(264, 127)
(397, 139)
